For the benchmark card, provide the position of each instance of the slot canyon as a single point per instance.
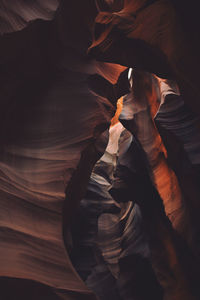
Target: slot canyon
(100, 150)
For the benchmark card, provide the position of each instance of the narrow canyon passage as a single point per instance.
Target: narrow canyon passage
(134, 198)
(100, 150)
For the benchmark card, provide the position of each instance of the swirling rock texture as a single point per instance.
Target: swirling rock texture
(46, 150)
(88, 214)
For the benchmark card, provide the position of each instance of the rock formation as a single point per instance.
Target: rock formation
(90, 211)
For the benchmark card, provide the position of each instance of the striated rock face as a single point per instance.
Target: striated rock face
(51, 122)
(87, 212)
(15, 15)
